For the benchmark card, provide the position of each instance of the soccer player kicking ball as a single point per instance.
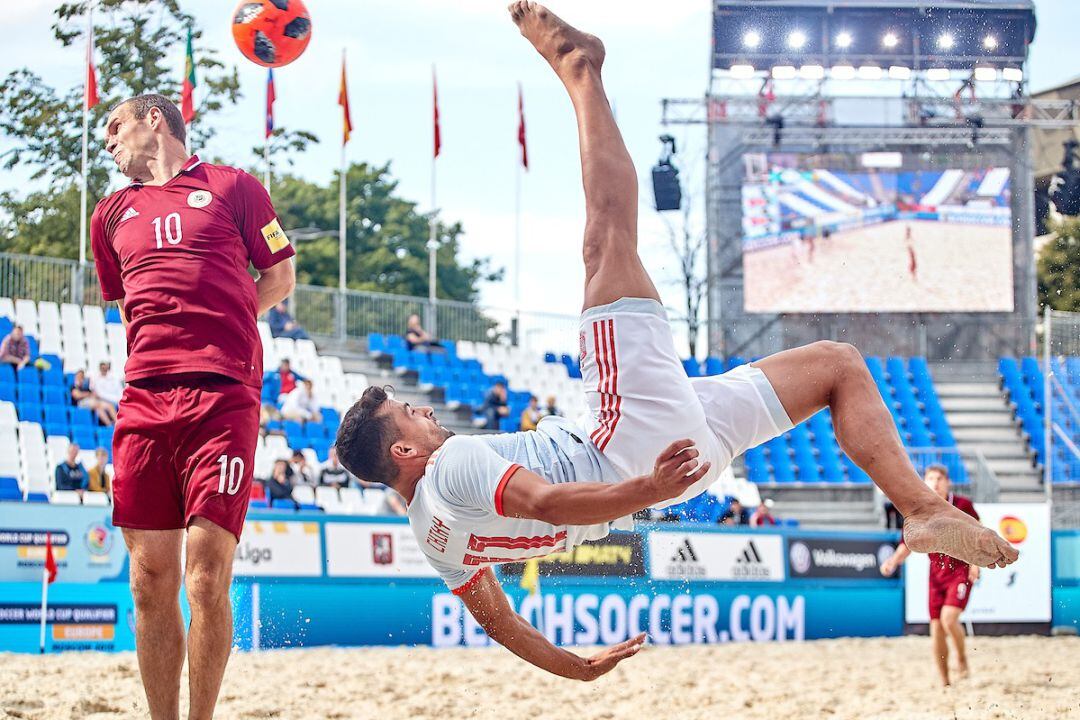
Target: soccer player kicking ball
(951, 581)
(173, 249)
(654, 436)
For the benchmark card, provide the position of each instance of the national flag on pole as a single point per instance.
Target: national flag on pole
(90, 96)
(187, 92)
(521, 129)
(50, 562)
(435, 99)
(343, 101)
(270, 97)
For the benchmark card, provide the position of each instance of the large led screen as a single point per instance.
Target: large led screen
(818, 239)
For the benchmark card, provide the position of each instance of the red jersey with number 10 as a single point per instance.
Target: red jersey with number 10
(177, 255)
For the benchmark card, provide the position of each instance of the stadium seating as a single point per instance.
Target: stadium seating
(1024, 383)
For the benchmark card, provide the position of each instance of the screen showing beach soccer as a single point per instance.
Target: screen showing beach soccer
(874, 236)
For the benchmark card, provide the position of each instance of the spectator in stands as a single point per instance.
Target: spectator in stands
(70, 474)
(82, 396)
(417, 337)
(106, 385)
(280, 484)
(301, 471)
(333, 473)
(300, 404)
(288, 379)
(99, 479)
(763, 515)
(495, 406)
(15, 348)
(893, 519)
(531, 415)
(550, 408)
(283, 325)
(736, 514)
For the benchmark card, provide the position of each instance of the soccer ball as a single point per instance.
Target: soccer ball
(271, 33)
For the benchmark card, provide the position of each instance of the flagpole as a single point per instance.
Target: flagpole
(341, 192)
(432, 321)
(266, 160)
(44, 607)
(517, 222)
(85, 141)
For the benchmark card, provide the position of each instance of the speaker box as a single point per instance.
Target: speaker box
(666, 189)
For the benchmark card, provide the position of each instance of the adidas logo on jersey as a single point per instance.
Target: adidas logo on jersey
(129, 213)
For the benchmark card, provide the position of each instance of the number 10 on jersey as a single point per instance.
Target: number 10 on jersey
(171, 225)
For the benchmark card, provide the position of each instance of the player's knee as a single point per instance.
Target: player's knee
(207, 582)
(844, 357)
(153, 585)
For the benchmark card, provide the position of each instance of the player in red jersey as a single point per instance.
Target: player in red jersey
(173, 249)
(951, 581)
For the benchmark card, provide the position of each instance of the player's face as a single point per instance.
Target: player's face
(937, 482)
(418, 426)
(131, 141)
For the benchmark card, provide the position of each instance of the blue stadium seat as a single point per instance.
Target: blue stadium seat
(258, 505)
(105, 437)
(56, 414)
(30, 412)
(314, 430)
(321, 446)
(735, 361)
(376, 343)
(550, 357)
(330, 417)
(8, 392)
(112, 315)
(509, 424)
(37, 497)
(84, 436)
(26, 393)
(7, 374)
(62, 429)
(692, 368)
(9, 489)
(54, 375)
(877, 370)
(281, 504)
(53, 395)
(80, 416)
(28, 375)
(714, 366)
(782, 471)
(897, 369)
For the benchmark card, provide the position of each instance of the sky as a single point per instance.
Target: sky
(655, 50)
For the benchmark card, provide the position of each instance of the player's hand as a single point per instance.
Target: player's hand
(973, 574)
(676, 469)
(605, 661)
(888, 567)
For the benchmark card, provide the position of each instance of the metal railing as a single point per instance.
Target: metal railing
(968, 470)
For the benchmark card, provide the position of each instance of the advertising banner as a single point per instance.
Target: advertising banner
(818, 557)
(86, 546)
(620, 554)
(374, 550)
(1019, 593)
(278, 549)
(96, 616)
(697, 556)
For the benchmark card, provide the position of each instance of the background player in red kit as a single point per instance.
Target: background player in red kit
(173, 250)
(950, 583)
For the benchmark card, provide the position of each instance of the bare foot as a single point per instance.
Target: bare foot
(963, 672)
(567, 49)
(945, 529)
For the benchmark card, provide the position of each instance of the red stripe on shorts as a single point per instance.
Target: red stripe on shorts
(598, 353)
(617, 412)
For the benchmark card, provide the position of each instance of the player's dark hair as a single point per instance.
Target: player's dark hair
(141, 104)
(936, 467)
(365, 436)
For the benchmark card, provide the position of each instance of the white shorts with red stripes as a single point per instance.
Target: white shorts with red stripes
(641, 400)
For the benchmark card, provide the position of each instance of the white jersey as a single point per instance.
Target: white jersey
(456, 511)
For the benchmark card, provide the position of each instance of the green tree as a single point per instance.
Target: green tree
(386, 249)
(1059, 267)
(131, 39)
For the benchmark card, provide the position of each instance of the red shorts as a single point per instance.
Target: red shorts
(953, 590)
(184, 447)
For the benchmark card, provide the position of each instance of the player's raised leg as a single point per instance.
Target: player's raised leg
(834, 375)
(612, 267)
(159, 627)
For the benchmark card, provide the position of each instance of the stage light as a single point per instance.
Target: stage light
(870, 72)
(796, 39)
(751, 39)
(812, 72)
(990, 42)
(890, 40)
(783, 72)
(985, 74)
(937, 74)
(899, 72)
(843, 72)
(843, 40)
(1013, 74)
(946, 41)
(742, 72)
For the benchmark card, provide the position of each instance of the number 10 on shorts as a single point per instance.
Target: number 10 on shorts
(232, 472)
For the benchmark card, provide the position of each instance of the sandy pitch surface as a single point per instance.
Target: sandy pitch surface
(869, 679)
(960, 268)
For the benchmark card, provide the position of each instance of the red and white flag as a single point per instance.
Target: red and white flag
(50, 561)
(435, 101)
(521, 129)
(90, 96)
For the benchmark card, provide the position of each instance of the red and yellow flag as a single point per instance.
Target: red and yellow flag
(343, 101)
(187, 92)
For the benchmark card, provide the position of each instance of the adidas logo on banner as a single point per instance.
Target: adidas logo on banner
(684, 562)
(129, 213)
(749, 563)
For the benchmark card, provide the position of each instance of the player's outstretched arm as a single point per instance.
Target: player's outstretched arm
(487, 603)
(527, 495)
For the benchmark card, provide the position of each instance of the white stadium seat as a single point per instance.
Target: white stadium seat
(57, 446)
(327, 498)
(7, 308)
(286, 348)
(304, 494)
(26, 315)
(98, 499)
(65, 497)
(351, 500)
(9, 418)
